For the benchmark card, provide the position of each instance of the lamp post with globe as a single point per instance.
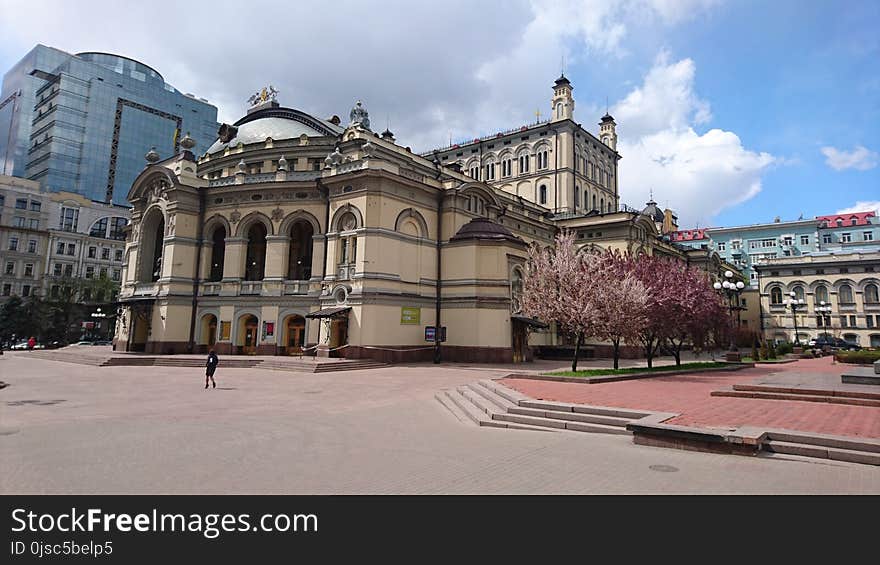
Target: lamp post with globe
(795, 303)
(731, 290)
(823, 312)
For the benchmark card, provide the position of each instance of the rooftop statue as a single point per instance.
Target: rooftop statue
(360, 116)
(263, 95)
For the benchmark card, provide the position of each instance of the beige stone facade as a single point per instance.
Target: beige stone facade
(848, 281)
(295, 234)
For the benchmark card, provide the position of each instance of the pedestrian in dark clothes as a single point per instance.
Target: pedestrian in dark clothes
(210, 367)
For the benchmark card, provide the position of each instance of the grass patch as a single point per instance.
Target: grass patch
(632, 370)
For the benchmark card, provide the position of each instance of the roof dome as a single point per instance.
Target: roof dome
(277, 123)
(653, 211)
(484, 228)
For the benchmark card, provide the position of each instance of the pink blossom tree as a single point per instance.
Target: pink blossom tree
(557, 287)
(657, 274)
(696, 310)
(618, 301)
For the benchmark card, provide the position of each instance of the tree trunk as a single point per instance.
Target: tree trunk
(676, 351)
(616, 344)
(650, 349)
(577, 350)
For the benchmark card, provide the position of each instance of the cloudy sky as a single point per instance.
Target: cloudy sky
(731, 112)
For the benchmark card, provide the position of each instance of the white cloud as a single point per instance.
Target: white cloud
(697, 175)
(862, 206)
(860, 158)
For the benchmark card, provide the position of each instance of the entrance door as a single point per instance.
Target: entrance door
(520, 341)
(296, 335)
(249, 341)
(338, 336)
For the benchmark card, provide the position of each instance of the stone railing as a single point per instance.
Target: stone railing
(249, 288)
(211, 289)
(259, 177)
(225, 181)
(145, 289)
(296, 287)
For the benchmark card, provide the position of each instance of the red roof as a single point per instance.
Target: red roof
(861, 219)
(688, 235)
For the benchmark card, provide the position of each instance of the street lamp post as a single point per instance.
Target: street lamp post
(731, 289)
(824, 312)
(795, 303)
(99, 316)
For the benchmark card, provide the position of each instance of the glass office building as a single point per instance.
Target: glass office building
(83, 123)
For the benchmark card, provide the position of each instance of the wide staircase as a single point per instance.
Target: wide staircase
(67, 356)
(854, 450)
(827, 395)
(312, 366)
(490, 404)
(174, 361)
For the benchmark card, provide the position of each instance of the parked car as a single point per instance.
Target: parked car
(19, 346)
(834, 343)
(102, 342)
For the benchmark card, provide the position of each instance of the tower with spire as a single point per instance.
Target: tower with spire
(562, 103)
(608, 131)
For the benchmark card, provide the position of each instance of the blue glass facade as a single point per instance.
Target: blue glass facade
(83, 123)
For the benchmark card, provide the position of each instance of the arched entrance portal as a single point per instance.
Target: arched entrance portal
(248, 326)
(209, 330)
(295, 334)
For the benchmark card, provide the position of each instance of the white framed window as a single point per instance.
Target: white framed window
(845, 237)
(805, 240)
(867, 236)
(826, 238)
(722, 246)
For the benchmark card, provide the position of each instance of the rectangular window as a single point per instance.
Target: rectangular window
(787, 240)
(115, 275)
(826, 238)
(735, 244)
(32, 246)
(805, 240)
(867, 236)
(93, 252)
(71, 248)
(845, 237)
(68, 270)
(722, 246)
(56, 269)
(34, 224)
(59, 249)
(7, 289)
(10, 268)
(69, 219)
(26, 290)
(118, 255)
(90, 272)
(28, 269)
(13, 244)
(103, 274)
(55, 290)
(843, 321)
(852, 321)
(869, 321)
(35, 205)
(21, 203)
(105, 253)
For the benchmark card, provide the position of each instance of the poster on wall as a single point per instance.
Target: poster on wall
(410, 315)
(268, 329)
(225, 330)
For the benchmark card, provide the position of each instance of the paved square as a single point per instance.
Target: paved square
(68, 428)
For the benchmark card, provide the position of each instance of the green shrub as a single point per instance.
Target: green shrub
(771, 351)
(784, 348)
(859, 357)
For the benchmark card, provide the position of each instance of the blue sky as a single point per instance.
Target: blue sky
(731, 112)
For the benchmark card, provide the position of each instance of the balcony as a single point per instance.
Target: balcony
(145, 289)
(211, 289)
(251, 288)
(296, 287)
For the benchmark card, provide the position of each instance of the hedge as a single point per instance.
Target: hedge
(859, 357)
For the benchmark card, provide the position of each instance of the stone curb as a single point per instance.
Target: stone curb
(632, 376)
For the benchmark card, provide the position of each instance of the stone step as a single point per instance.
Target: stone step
(473, 413)
(584, 409)
(447, 403)
(836, 442)
(502, 403)
(480, 402)
(821, 452)
(799, 397)
(507, 393)
(571, 416)
(561, 424)
(807, 391)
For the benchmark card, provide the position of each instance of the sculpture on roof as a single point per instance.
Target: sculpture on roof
(359, 116)
(263, 95)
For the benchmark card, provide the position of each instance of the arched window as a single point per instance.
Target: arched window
(776, 295)
(594, 202)
(524, 163)
(542, 194)
(798, 292)
(151, 247)
(99, 228)
(577, 196)
(844, 294)
(602, 205)
(218, 253)
(255, 266)
(516, 287)
(821, 294)
(299, 266)
(871, 294)
(559, 109)
(347, 244)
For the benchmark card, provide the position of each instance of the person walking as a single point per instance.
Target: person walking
(210, 367)
(32, 342)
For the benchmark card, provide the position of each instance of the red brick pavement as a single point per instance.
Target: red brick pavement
(688, 395)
